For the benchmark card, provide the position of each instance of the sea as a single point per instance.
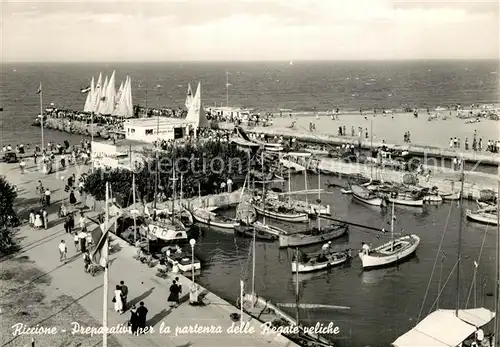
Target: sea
(267, 86)
(383, 303)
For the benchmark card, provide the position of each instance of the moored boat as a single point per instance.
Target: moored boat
(314, 235)
(280, 213)
(248, 232)
(319, 261)
(184, 260)
(390, 252)
(268, 229)
(364, 195)
(482, 216)
(205, 216)
(166, 231)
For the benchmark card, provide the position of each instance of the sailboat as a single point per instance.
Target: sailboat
(365, 196)
(177, 211)
(449, 327)
(306, 206)
(391, 252)
(264, 311)
(316, 234)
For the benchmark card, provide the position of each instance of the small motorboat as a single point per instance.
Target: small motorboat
(167, 231)
(319, 261)
(184, 260)
(248, 231)
(205, 216)
(452, 195)
(314, 235)
(366, 196)
(390, 253)
(280, 213)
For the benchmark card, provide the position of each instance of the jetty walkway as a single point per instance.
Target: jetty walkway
(329, 139)
(69, 279)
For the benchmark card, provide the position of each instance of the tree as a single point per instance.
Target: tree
(8, 217)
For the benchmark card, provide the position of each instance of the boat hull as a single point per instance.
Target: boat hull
(296, 240)
(207, 220)
(368, 201)
(387, 258)
(292, 218)
(451, 196)
(247, 231)
(483, 218)
(185, 264)
(405, 202)
(268, 229)
(336, 259)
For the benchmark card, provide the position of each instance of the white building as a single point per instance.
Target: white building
(125, 154)
(151, 129)
(228, 112)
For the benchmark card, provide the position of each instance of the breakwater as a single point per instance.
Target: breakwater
(328, 139)
(78, 127)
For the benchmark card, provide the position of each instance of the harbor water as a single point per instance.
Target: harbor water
(384, 303)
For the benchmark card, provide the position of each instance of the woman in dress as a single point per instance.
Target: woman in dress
(72, 198)
(38, 221)
(32, 218)
(118, 300)
(134, 320)
(174, 294)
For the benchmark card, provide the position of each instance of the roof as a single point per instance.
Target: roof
(125, 142)
(442, 328)
(153, 122)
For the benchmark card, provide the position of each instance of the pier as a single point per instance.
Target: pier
(169, 325)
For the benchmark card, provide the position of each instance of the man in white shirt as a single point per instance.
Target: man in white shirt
(47, 196)
(229, 185)
(63, 250)
(326, 246)
(365, 248)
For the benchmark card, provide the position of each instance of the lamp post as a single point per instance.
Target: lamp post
(62, 190)
(194, 288)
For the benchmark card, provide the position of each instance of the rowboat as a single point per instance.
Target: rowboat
(390, 252)
(482, 216)
(280, 213)
(364, 195)
(248, 232)
(452, 195)
(204, 216)
(319, 261)
(314, 235)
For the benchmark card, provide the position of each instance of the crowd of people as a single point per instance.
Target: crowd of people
(478, 145)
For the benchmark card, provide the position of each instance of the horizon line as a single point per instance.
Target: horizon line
(240, 61)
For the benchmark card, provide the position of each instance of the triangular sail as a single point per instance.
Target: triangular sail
(97, 93)
(110, 95)
(189, 97)
(124, 106)
(89, 100)
(196, 112)
(118, 96)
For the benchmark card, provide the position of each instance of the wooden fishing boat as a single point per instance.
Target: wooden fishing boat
(391, 252)
(314, 235)
(365, 196)
(280, 212)
(246, 213)
(166, 231)
(299, 206)
(204, 216)
(316, 151)
(268, 229)
(181, 213)
(319, 261)
(247, 231)
(452, 195)
(406, 199)
(482, 216)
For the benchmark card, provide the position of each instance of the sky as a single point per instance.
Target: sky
(237, 30)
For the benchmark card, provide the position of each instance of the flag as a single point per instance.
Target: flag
(85, 90)
(100, 236)
(476, 264)
(228, 84)
(39, 89)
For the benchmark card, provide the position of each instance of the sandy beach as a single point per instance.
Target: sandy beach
(392, 127)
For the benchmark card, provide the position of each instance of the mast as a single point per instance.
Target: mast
(227, 89)
(41, 112)
(289, 185)
(319, 198)
(460, 226)
(174, 182)
(106, 275)
(297, 286)
(497, 282)
(253, 268)
(305, 185)
(263, 188)
(157, 147)
(392, 222)
(133, 199)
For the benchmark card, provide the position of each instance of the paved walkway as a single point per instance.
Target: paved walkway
(70, 279)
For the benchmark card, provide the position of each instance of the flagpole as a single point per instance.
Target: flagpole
(106, 275)
(41, 113)
(227, 89)
(91, 138)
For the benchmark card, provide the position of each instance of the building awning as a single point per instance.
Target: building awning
(442, 328)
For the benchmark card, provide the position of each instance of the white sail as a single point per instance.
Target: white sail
(124, 106)
(189, 97)
(196, 112)
(109, 97)
(89, 101)
(97, 94)
(118, 95)
(102, 97)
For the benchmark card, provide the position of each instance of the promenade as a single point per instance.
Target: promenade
(40, 246)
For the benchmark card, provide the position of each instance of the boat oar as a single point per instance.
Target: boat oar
(312, 306)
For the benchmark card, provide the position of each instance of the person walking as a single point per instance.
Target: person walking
(63, 250)
(47, 196)
(134, 320)
(124, 290)
(86, 261)
(76, 240)
(142, 313)
(117, 299)
(38, 221)
(32, 218)
(174, 294)
(83, 241)
(45, 217)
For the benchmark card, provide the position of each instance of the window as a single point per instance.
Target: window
(149, 131)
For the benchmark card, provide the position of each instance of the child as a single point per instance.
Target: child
(32, 219)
